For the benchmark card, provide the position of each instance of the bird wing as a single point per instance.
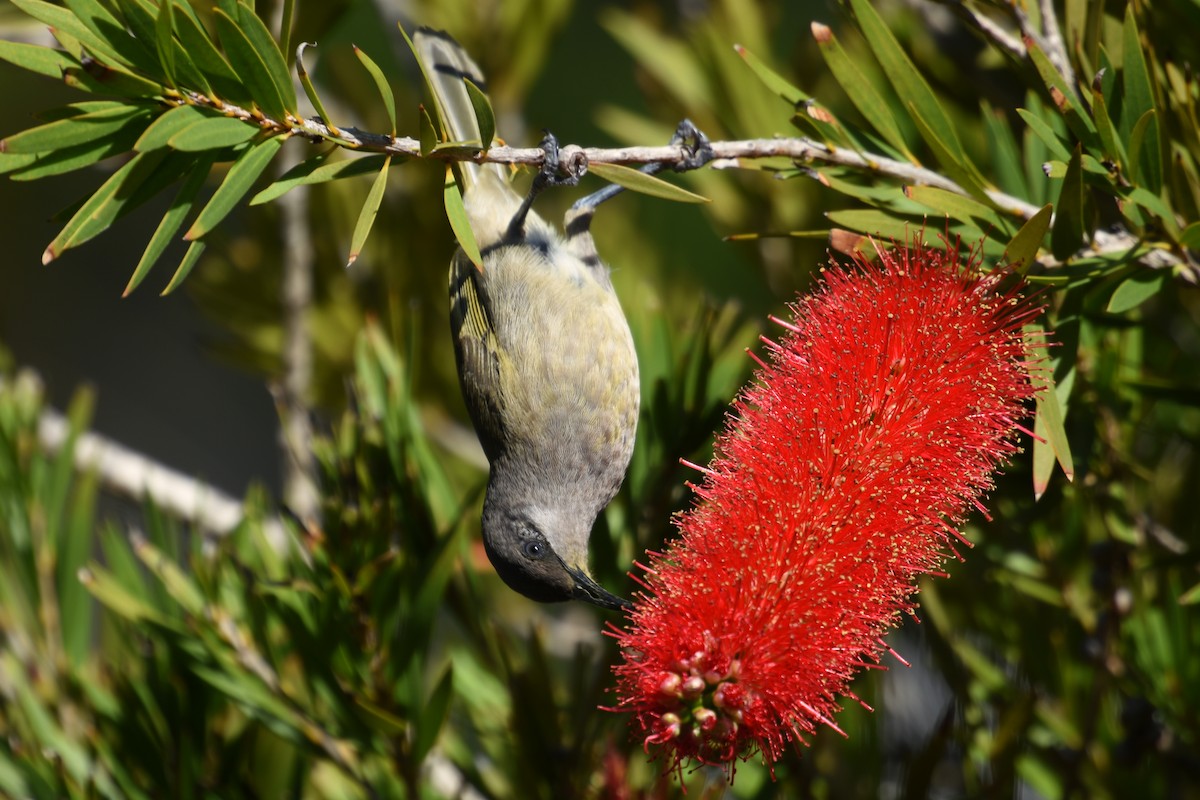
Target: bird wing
(477, 350)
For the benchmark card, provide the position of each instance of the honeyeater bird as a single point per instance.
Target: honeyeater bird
(545, 359)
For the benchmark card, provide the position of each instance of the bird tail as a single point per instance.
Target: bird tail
(445, 64)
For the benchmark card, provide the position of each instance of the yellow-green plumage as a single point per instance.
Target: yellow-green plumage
(546, 363)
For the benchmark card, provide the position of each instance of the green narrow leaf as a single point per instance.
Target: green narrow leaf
(1006, 168)
(35, 58)
(381, 83)
(1067, 234)
(873, 223)
(286, 20)
(272, 57)
(73, 599)
(1021, 252)
(159, 132)
(318, 170)
(116, 598)
(65, 22)
(67, 159)
(73, 110)
(100, 210)
(433, 715)
(1109, 141)
(366, 217)
(179, 585)
(955, 206)
(70, 755)
(484, 116)
(428, 133)
(10, 162)
(1151, 202)
(456, 214)
(75, 130)
(194, 251)
(1050, 437)
(164, 39)
(310, 90)
(120, 561)
(860, 90)
(167, 229)
(212, 133)
(638, 181)
(1145, 157)
(772, 79)
(188, 73)
(435, 122)
(250, 67)
(1191, 236)
(143, 22)
(1043, 460)
(1046, 134)
(1035, 154)
(101, 22)
(873, 193)
(140, 18)
(380, 719)
(828, 128)
(98, 78)
(1137, 289)
(250, 164)
(194, 40)
(1138, 96)
(1064, 98)
(906, 79)
(962, 171)
(256, 699)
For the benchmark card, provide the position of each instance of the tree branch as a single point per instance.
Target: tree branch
(1049, 38)
(728, 154)
(989, 29)
(1056, 49)
(575, 158)
(131, 474)
(295, 427)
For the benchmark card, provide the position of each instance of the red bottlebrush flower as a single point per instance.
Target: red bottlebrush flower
(851, 459)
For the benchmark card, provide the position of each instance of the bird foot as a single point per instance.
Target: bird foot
(555, 171)
(697, 149)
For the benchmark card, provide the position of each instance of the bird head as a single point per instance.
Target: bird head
(542, 554)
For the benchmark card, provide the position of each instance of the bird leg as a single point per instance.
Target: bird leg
(697, 151)
(550, 174)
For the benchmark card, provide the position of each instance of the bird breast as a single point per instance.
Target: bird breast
(568, 367)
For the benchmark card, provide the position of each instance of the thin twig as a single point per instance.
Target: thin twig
(991, 30)
(575, 158)
(1048, 39)
(799, 150)
(134, 475)
(1056, 49)
(295, 426)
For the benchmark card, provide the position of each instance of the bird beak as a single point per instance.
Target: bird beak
(587, 589)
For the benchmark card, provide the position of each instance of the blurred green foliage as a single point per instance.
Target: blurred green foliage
(375, 654)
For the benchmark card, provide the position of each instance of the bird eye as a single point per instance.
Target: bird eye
(534, 549)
